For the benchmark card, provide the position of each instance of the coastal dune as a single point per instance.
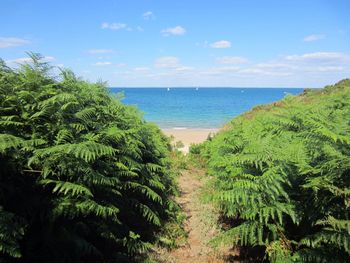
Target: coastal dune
(189, 136)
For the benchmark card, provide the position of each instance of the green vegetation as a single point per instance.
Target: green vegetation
(83, 178)
(282, 178)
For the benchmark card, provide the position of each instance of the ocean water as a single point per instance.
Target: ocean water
(182, 108)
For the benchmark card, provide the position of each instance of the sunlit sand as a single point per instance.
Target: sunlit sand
(189, 136)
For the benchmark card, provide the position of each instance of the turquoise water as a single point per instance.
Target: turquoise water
(202, 108)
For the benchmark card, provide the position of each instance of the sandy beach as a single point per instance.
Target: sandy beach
(188, 136)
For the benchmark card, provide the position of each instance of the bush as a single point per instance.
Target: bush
(282, 177)
(196, 148)
(83, 178)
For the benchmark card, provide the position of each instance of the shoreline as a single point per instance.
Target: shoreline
(189, 135)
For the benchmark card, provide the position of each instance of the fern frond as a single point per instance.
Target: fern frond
(66, 188)
(8, 141)
(144, 190)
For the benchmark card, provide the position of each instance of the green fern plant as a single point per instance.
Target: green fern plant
(282, 178)
(83, 178)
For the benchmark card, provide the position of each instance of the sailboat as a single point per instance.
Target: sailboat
(168, 89)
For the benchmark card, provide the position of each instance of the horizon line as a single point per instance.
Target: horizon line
(207, 87)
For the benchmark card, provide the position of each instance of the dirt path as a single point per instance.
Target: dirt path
(200, 224)
(200, 221)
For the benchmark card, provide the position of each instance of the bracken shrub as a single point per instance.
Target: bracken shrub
(282, 177)
(83, 178)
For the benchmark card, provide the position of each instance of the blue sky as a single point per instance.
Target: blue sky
(271, 43)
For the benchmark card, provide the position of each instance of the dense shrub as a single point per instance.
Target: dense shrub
(82, 177)
(283, 175)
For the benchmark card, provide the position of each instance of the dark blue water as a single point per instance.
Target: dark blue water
(202, 108)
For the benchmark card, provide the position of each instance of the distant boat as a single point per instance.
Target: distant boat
(196, 88)
(168, 89)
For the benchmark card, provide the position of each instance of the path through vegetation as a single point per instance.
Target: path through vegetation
(200, 223)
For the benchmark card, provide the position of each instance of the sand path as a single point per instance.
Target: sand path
(188, 136)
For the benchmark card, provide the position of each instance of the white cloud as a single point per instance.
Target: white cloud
(176, 31)
(19, 60)
(314, 37)
(121, 65)
(260, 71)
(6, 42)
(171, 66)
(331, 69)
(48, 59)
(167, 62)
(103, 63)
(231, 60)
(252, 71)
(328, 69)
(141, 69)
(184, 69)
(320, 57)
(210, 72)
(148, 15)
(307, 67)
(314, 69)
(100, 51)
(114, 26)
(219, 71)
(221, 44)
(28, 60)
(229, 69)
(274, 66)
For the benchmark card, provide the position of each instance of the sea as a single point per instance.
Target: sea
(200, 108)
